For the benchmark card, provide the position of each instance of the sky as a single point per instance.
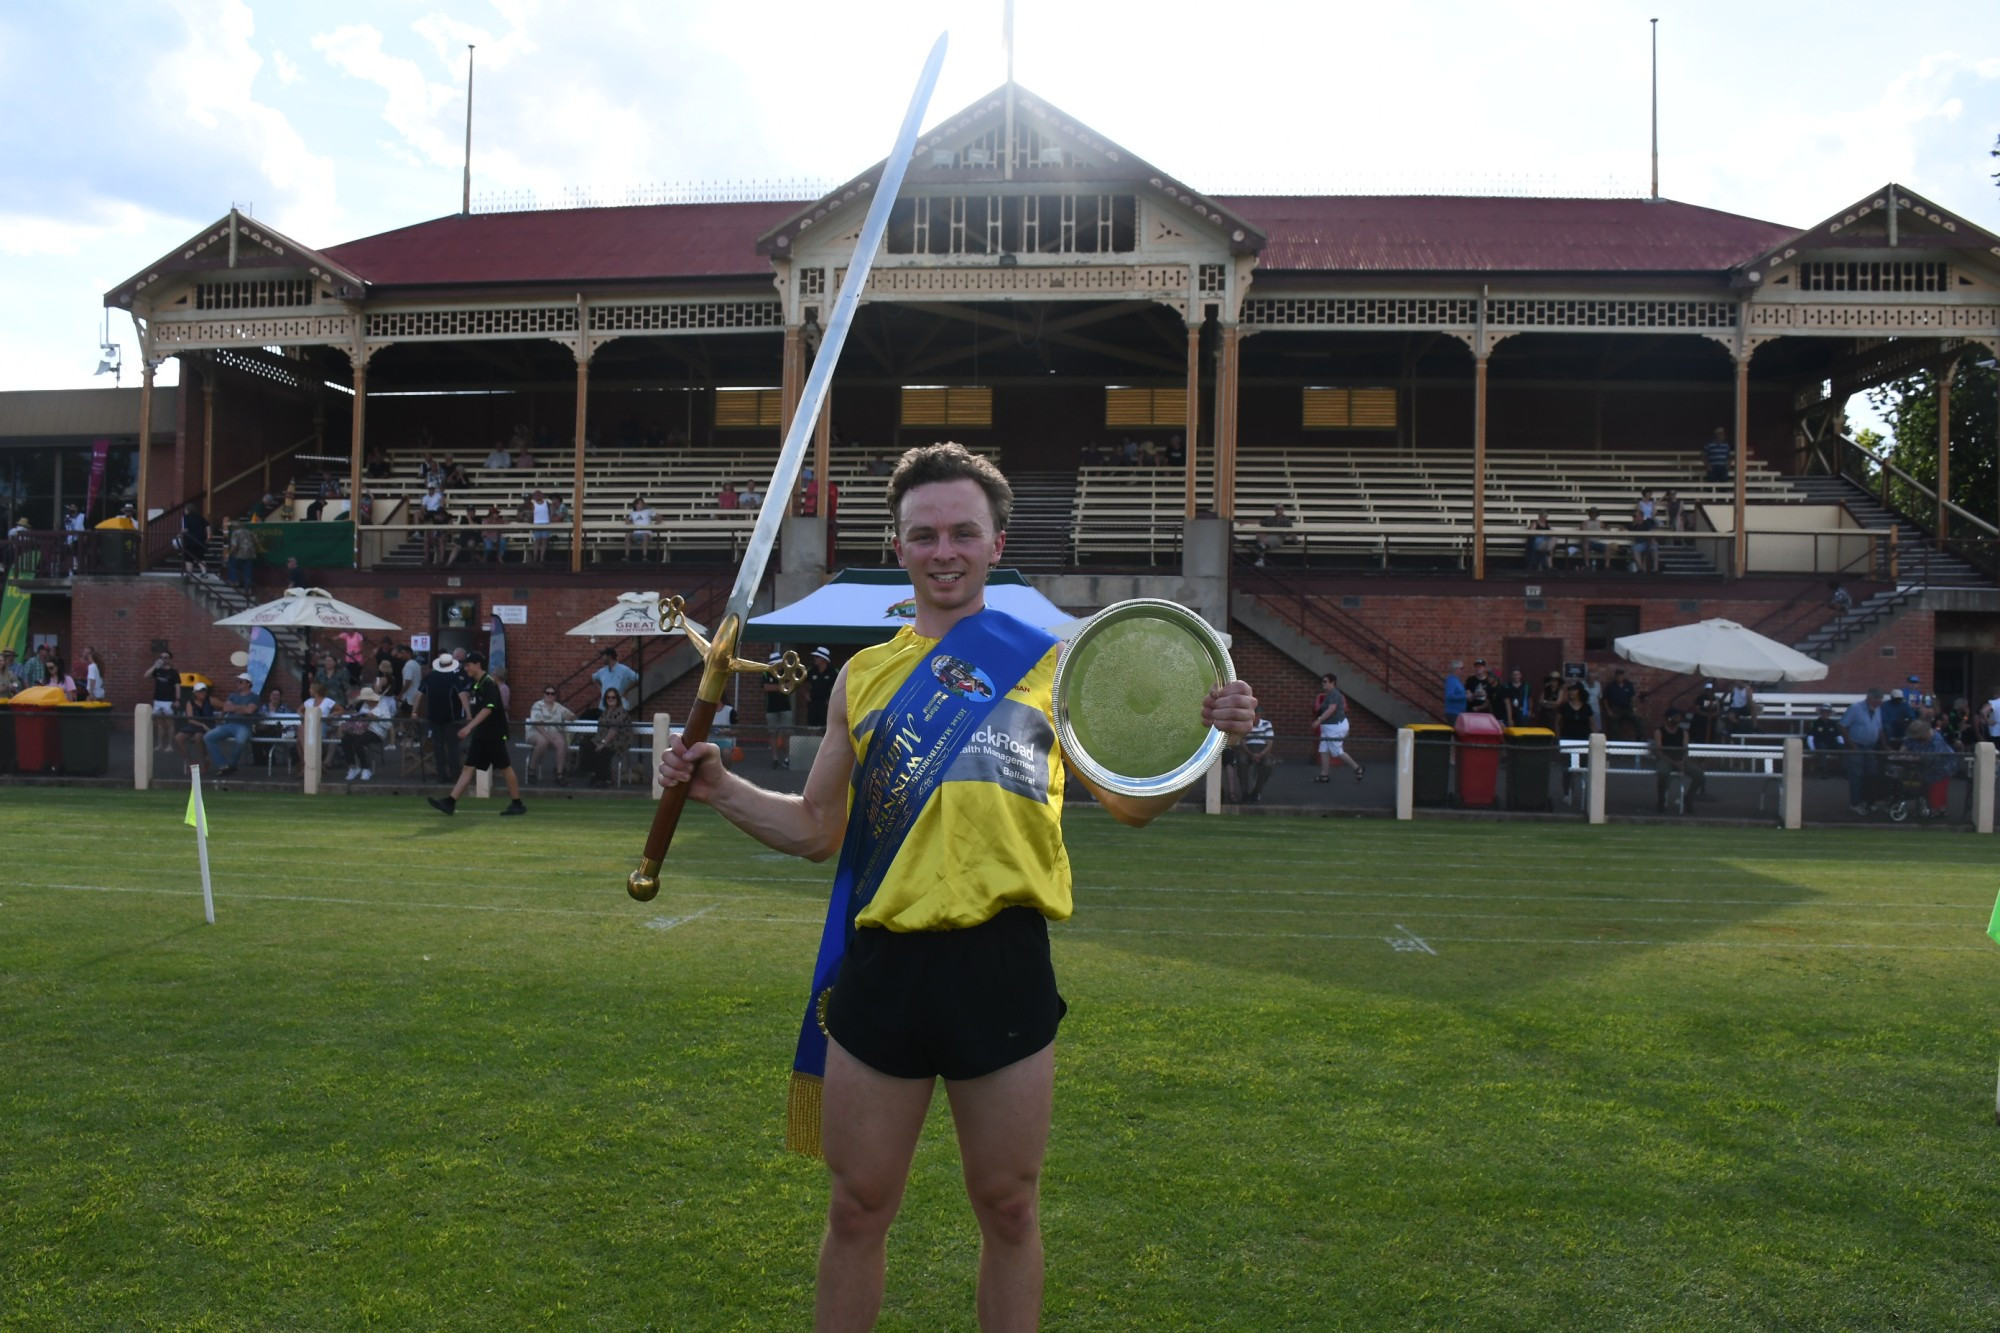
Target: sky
(126, 128)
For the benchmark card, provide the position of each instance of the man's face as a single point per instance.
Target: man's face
(474, 670)
(947, 542)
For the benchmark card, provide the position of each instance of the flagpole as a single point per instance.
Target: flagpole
(201, 845)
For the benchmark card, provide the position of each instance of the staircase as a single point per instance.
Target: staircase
(1920, 563)
(1864, 618)
(219, 599)
(1038, 535)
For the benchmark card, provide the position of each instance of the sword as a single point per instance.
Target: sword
(719, 660)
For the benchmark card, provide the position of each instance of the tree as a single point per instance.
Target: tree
(1911, 406)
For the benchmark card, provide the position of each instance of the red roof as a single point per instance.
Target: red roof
(570, 245)
(1455, 234)
(1327, 233)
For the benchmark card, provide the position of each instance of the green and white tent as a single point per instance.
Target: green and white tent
(870, 605)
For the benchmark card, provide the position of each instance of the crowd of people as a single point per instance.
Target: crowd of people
(45, 667)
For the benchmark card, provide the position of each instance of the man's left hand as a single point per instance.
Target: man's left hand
(1231, 709)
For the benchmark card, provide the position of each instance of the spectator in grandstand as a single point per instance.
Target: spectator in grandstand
(1742, 708)
(166, 686)
(1718, 457)
(1594, 552)
(1573, 723)
(1645, 549)
(640, 533)
(1670, 756)
(542, 514)
(196, 717)
(331, 675)
(613, 676)
(1454, 692)
(492, 536)
(1861, 728)
(1536, 550)
(1705, 722)
(1176, 451)
(193, 541)
(377, 468)
(1679, 518)
(1842, 600)
(1272, 536)
(499, 459)
(546, 723)
(1331, 720)
(429, 472)
(1619, 700)
(727, 498)
(749, 497)
(465, 541)
(454, 475)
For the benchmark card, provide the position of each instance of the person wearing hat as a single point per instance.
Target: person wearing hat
(442, 692)
(615, 675)
(191, 730)
(366, 726)
(10, 684)
(1478, 689)
(485, 732)
(820, 676)
(778, 715)
(1897, 714)
(1823, 736)
(125, 520)
(232, 734)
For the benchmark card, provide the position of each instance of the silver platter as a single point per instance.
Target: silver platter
(1128, 694)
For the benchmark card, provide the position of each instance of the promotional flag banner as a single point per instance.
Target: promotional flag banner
(263, 652)
(14, 619)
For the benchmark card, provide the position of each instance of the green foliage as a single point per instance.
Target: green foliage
(443, 1074)
(1911, 405)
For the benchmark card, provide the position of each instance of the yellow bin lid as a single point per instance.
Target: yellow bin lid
(1514, 733)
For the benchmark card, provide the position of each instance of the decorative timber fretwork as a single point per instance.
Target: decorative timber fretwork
(1213, 279)
(1160, 281)
(259, 364)
(534, 321)
(687, 316)
(1906, 275)
(253, 294)
(1524, 313)
(185, 335)
(1776, 319)
(1359, 312)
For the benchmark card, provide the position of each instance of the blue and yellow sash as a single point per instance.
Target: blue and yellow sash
(939, 707)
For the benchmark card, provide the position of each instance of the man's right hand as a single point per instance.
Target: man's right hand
(700, 767)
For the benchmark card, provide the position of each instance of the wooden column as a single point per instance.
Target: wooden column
(1225, 422)
(208, 440)
(145, 438)
(793, 379)
(1193, 437)
(576, 479)
(1742, 560)
(823, 455)
(1478, 467)
(1943, 524)
(356, 442)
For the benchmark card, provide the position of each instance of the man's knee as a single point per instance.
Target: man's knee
(861, 1210)
(1009, 1211)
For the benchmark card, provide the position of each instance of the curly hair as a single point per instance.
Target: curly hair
(948, 462)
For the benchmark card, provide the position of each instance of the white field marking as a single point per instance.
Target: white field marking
(669, 922)
(1770, 945)
(1409, 941)
(1618, 917)
(1403, 895)
(334, 902)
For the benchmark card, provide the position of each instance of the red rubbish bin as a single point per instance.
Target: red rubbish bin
(37, 739)
(1479, 737)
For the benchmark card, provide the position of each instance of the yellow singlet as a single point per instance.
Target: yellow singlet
(991, 835)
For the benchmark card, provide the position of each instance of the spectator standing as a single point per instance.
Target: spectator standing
(1897, 715)
(93, 676)
(1842, 600)
(1621, 718)
(1573, 723)
(1454, 693)
(1330, 717)
(10, 683)
(354, 652)
(443, 690)
(820, 677)
(614, 677)
(1479, 689)
(492, 536)
(1861, 728)
(1255, 759)
(1538, 548)
(410, 675)
(1717, 457)
(1549, 702)
(241, 548)
(485, 732)
(1670, 756)
(166, 682)
(546, 723)
(542, 514)
(1517, 701)
(778, 715)
(194, 541)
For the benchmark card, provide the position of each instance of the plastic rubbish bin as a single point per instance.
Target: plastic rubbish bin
(1530, 753)
(37, 738)
(1479, 736)
(1430, 778)
(85, 730)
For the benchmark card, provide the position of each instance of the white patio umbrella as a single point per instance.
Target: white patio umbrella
(634, 614)
(1720, 648)
(307, 609)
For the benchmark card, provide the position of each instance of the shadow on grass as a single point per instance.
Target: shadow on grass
(1472, 910)
(136, 947)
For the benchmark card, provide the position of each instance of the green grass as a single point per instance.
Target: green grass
(431, 1073)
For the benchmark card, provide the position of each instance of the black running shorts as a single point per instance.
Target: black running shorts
(952, 1004)
(488, 749)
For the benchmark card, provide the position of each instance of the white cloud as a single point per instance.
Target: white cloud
(415, 105)
(282, 66)
(25, 235)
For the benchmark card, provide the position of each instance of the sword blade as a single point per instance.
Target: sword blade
(778, 499)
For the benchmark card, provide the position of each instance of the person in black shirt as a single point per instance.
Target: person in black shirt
(1824, 740)
(1479, 690)
(1573, 723)
(1620, 721)
(1670, 756)
(820, 676)
(166, 681)
(441, 692)
(485, 733)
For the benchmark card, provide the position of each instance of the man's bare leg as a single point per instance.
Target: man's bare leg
(868, 1132)
(1003, 1132)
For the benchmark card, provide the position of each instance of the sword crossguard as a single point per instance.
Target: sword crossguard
(787, 674)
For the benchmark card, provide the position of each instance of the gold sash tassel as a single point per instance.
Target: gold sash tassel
(802, 1109)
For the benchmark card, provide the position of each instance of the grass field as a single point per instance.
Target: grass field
(430, 1073)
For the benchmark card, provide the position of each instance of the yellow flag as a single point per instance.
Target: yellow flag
(195, 814)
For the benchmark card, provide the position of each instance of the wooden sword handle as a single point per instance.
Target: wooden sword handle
(645, 881)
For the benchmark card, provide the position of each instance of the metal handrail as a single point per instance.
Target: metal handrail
(1392, 664)
(1921, 488)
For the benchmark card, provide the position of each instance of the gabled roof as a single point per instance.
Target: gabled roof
(1478, 234)
(569, 245)
(1241, 236)
(208, 251)
(1865, 224)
